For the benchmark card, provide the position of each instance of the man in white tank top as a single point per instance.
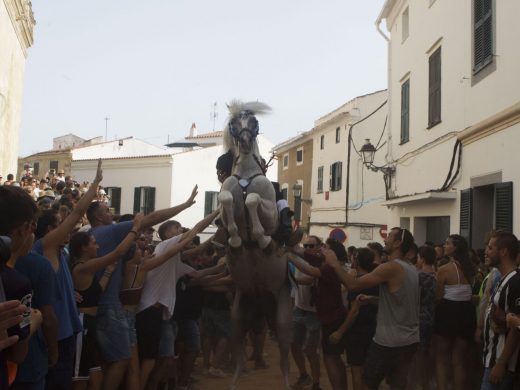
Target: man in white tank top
(397, 332)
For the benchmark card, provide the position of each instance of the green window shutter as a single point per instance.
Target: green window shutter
(115, 200)
(137, 199)
(338, 175)
(320, 180)
(434, 90)
(331, 180)
(149, 200)
(466, 213)
(208, 203)
(504, 206)
(405, 111)
(483, 33)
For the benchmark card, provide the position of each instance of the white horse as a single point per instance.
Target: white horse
(247, 184)
(250, 215)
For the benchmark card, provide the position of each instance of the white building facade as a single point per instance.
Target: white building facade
(142, 177)
(454, 117)
(333, 177)
(16, 37)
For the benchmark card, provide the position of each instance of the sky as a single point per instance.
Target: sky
(155, 67)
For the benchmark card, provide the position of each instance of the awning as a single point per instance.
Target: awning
(421, 198)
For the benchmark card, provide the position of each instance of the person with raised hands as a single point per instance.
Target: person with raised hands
(85, 265)
(113, 331)
(52, 235)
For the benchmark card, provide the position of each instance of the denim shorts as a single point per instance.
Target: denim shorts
(113, 333)
(168, 334)
(130, 317)
(189, 334)
(305, 328)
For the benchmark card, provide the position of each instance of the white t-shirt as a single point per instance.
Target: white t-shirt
(160, 283)
(302, 297)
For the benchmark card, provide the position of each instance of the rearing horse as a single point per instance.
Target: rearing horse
(250, 215)
(247, 184)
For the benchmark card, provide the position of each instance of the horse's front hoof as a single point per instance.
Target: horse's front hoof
(235, 242)
(264, 241)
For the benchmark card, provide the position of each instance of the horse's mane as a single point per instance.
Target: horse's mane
(235, 107)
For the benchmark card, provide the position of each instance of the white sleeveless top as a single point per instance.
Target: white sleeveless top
(457, 292)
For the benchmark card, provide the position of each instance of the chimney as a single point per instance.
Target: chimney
(193, 130)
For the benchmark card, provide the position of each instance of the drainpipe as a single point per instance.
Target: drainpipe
(388, 157)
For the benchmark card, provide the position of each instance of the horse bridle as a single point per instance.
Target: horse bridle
(243, 115)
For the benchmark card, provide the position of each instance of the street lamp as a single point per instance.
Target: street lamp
(297, 190)
(368, 152)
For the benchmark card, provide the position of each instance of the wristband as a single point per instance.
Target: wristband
(107, 274)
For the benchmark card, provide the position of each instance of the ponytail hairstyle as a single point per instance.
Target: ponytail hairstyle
(461, 254)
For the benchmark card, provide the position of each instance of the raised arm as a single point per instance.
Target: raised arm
(55, 238)
(200, 226)
(162, 215)
(97, 264)
(186, 238)
(303, 266)
(380, 275)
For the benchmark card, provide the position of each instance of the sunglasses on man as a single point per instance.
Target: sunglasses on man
(309, 246)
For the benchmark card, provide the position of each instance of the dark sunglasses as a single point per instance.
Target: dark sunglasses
(309, 246)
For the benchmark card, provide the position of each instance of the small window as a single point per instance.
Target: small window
(319, 190)
(482, 34)
(335, 176)
(299, 156)
(144, 199)
(210, 202)
(285, 161)
(434, 91)
(405, 112)
(322, 142)
(36, 168)
(54, 165)
(338, 135)
(405, 25)
(114, 196)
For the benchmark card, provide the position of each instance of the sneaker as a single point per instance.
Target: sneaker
(217, 373)
(303, 380)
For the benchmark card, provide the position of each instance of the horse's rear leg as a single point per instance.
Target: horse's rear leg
(253, 200)
(226, 200)
(283, 329)
(237, 340)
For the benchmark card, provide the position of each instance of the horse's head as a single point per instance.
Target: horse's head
(243, 127)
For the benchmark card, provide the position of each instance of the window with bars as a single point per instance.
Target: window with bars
(482, 34)
(322, 142)
(319, 190)
(338, 135)
(405, 111)
(144, 199)
(54, 165)
(434, 91)
(335, 176)
(285, 161)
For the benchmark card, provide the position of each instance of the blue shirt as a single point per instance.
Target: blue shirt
(43, 280)
(65, 306)
(108, 237)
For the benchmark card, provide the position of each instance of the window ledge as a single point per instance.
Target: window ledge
(404, 142)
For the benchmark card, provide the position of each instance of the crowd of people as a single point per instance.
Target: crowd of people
(89, 300)
(429, 317)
